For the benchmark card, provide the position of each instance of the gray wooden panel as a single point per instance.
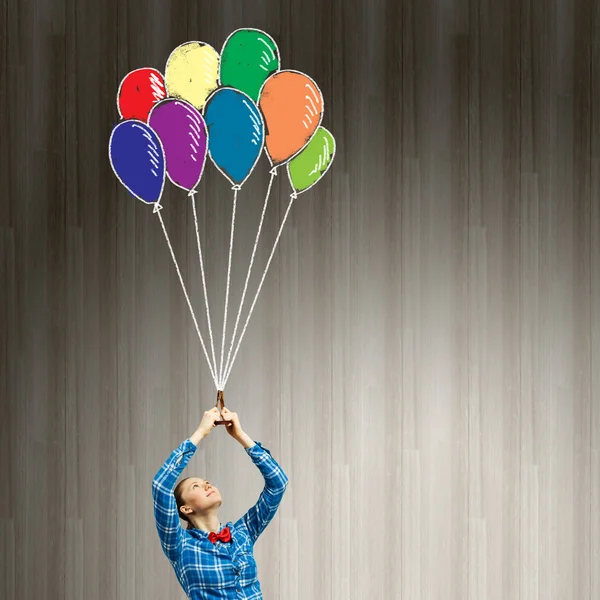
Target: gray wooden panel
(423, 357)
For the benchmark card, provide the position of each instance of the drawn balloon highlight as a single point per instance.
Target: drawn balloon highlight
(309, 166)
(192, 73)
(182, 131)
(137, 158)
(292, 105)
(248, 58)
(139, 91)
(236, 133)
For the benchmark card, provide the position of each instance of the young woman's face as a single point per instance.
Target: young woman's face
(200, 494)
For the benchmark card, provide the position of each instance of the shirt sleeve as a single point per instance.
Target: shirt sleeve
(168, 525)
(260, 515)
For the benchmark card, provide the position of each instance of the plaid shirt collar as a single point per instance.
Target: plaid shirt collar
(200, 534)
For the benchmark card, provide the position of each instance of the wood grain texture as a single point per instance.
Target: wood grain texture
(423, 359)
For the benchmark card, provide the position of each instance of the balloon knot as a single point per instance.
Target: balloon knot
(157, 207)
(293, 195)
(273, 171)
(236, 187)
(192, 192)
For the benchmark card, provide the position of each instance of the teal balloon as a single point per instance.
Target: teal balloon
(236, 133)
(248, 58)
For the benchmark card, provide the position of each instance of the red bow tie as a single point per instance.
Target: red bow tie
(223, 536)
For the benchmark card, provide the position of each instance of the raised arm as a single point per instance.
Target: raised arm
(260, 515)
(168, 525)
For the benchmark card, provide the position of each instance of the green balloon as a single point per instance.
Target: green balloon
(248, 57)
(307, 167)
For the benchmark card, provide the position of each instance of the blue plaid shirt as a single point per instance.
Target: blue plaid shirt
(224, 569)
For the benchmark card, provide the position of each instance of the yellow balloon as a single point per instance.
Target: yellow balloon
(192, 73)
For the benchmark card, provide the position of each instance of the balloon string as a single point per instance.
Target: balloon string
(273, 173)
(236, 189)
(187, 298)
(292, 198)
(212, 345)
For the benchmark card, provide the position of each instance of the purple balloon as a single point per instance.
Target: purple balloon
(182, 131)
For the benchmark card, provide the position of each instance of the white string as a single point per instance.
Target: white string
(273, 173)
(186, 295)
(212, 345)
(235, 188)
(292, 198)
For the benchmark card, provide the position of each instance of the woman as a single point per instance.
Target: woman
(211, 561)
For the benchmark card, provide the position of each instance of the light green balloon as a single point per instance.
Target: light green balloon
(307, 167)
(248, 57)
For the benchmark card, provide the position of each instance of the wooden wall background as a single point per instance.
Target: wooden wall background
(423, 360)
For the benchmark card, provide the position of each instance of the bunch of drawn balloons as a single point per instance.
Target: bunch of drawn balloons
(229, 107)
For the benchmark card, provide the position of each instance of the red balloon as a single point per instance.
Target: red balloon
(139, 91)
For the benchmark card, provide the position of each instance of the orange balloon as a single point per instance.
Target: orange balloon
(292, 106)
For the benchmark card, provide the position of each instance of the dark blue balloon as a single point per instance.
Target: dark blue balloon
(236, 133)
(137, 158)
